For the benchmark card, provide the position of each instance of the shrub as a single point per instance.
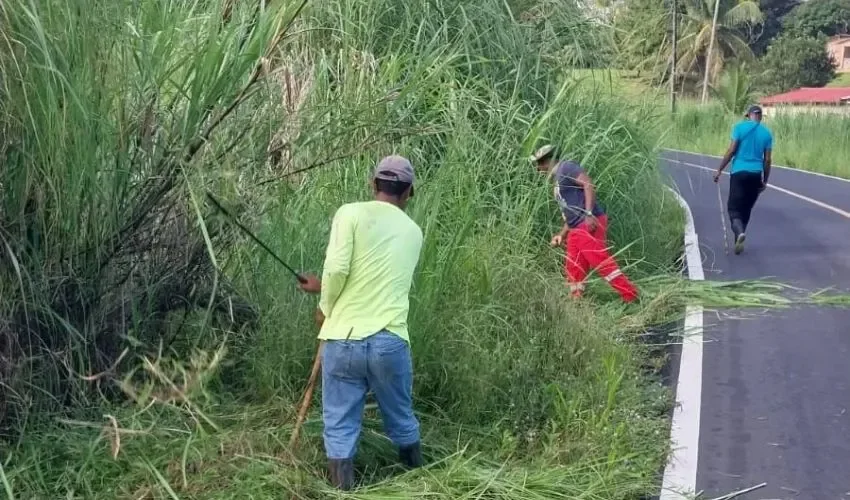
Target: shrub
(793, 62)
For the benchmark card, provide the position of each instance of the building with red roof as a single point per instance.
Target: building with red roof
(808, 99)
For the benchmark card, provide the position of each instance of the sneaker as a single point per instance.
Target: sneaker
(739, 243)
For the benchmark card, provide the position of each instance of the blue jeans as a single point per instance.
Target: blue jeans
(382, 363)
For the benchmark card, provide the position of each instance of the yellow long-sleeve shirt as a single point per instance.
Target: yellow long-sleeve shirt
(372, 254)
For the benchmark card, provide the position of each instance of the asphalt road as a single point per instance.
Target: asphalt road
(775, 404)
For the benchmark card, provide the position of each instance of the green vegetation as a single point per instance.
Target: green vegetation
(816, 142)
(762, 48)
(774, 12)
(772, 37)
(812, 142)
(150, 351)
(623, 85)
(733, 16)
(840, 80)
(735, 90)
(640, 32)
(794, 62)
(819, 17)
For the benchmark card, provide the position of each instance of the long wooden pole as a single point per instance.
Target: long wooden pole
(710, 51)
(306, 399)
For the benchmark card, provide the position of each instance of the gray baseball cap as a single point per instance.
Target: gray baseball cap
(395, 168)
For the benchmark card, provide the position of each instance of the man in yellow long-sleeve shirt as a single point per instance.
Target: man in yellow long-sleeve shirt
(372, 253)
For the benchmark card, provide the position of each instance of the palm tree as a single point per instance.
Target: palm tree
(734, 88)
(733, 15)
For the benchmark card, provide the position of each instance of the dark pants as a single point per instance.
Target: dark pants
(744, 190)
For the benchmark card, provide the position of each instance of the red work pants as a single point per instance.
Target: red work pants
(586, 252)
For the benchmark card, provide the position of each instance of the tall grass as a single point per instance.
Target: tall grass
(116, 119)
(814, 142)
(107, 115)
(808, 141)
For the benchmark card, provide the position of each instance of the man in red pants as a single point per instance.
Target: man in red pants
(585, 225)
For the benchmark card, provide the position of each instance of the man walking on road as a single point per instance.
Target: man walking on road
(751, 148)
(373, 251)
(585, 226)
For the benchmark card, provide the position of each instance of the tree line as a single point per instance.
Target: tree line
(777, 44)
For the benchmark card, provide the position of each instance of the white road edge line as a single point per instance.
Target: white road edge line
(680, 474)
(813, 201)
(809, 172)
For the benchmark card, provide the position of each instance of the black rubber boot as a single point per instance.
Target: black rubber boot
(341, 472)
(411, 456)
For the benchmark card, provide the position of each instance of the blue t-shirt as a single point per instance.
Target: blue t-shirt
(753, 140)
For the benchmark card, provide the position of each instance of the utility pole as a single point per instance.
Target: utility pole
(673, 57)
(710, 50)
